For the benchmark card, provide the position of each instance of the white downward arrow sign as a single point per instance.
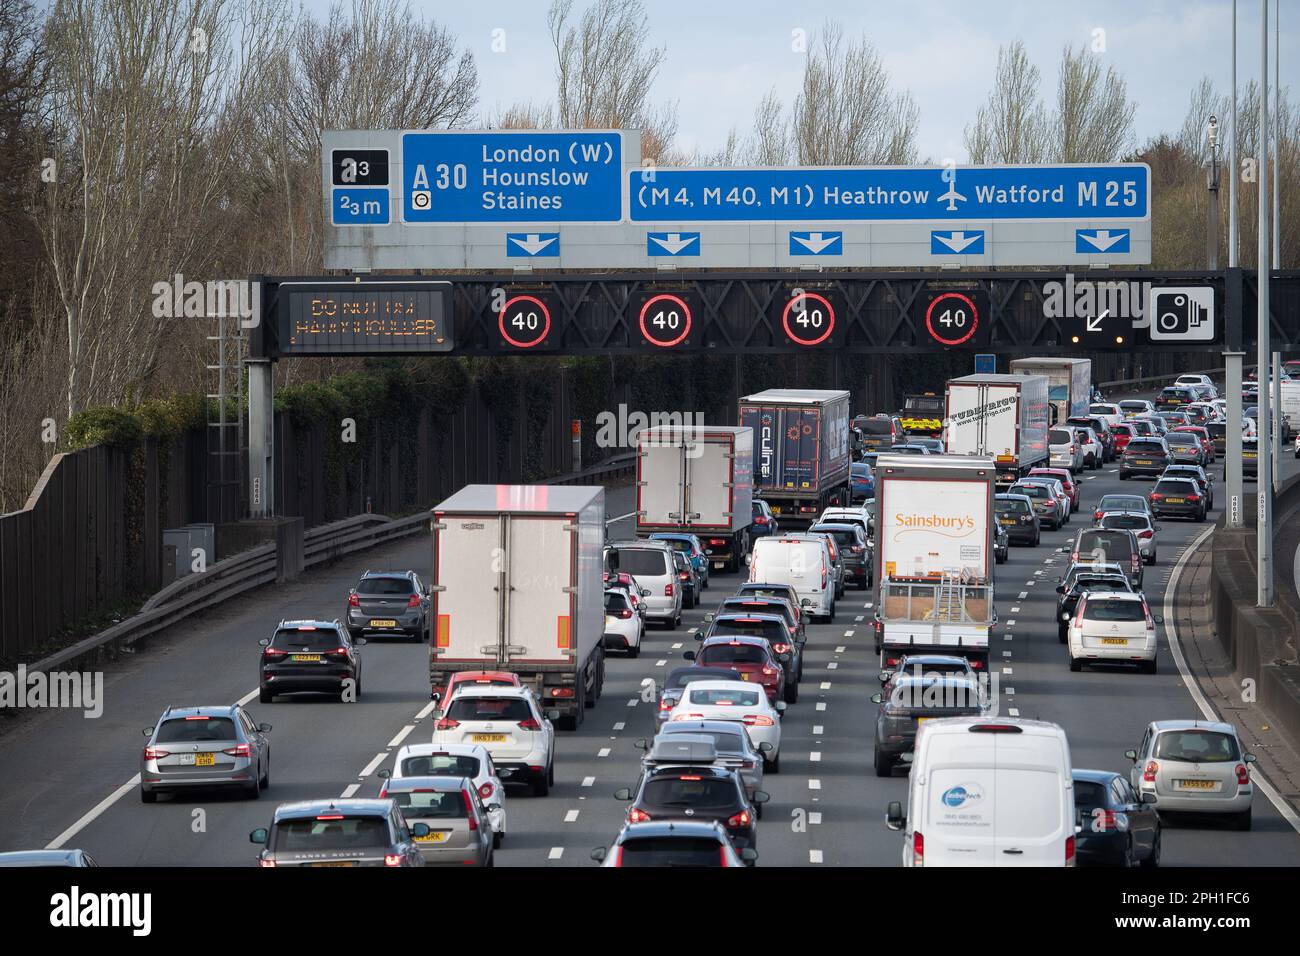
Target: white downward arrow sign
(1103, 240)
(958, 240)
(532, 243)
(674, 243)
(815, 241)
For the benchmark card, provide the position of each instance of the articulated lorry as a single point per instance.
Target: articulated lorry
(518, 587)
(1069, 383)
(698, 480)
(801, 450)
(1003, 416)
(934, 556)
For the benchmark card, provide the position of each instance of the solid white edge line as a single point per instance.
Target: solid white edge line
(1194, 689)
(95, 811)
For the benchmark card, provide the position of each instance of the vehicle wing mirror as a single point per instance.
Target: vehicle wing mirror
(1158, 618)
(264, 642)
(780, 707)
(641, 744)
(264, 728)
(599, 854)
(360, 642)
(1146, 796)
(148, 731)
(552, 714)
(749, 854)
(1248, 758)
(708, 617)
(761, 796)
(878, 698)
(258, 835)
(645, 592)
(689, 655)
(764, 747)
(420, 830)
(806, 602)
(1132, 755)
(885, 675)
(624, 794)
(894, 818)
(385, 773)
(1060, 589)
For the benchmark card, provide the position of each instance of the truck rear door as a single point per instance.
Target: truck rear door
(661, 485)
(707, 464)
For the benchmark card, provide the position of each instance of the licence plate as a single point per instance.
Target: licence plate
(1115, 640)
(1174, 501)
(489, 738)
(1249, 454)
(205, 760)
(1009, 521)
(776, 509)
(383, 624)
(744, 677)
(340, 863)
(1196, 784)
(437, 836)
(305, 657)
(1144, 461)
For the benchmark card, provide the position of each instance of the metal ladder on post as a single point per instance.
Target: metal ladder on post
(948, 605)
(225, 426)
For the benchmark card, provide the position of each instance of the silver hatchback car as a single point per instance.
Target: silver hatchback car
(205, 747)
(1195, 766)
(459, 826)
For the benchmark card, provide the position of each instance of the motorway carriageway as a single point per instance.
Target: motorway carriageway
(71, 781)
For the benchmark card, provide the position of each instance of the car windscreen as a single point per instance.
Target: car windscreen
(1183, 439)
(740, 605)
(1123, 428)
(423, 804)
(1102, 409)
(724, 743)
(185, 730)
(1133, 406)
(769, 629)
(1088, 797)
(1060, 436)
(1083, 583)
(677, 544)
(1010, 506)
(876, 426)
(344, 833)
(1177, 487)
(379, 585)
(1217, 429)
(643, 561)
(1031, 491)
(1140, 447)
(489, 708)
(1120, 611)
(1132, 522)
(1196, 746)
(615, 601)
(1121, 503)
(690, 790)
(1103, 547)
(844, 539)
(440, 765)
(860, 469)
(723, 697)
(935, 692)
(671, 851)
(725, 654)
(316, 639)
(686, 675)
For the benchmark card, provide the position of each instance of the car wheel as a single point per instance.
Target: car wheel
(1075, 664)
(252, 790)
(550, 773)
(884, 766)
(541, 786)
(774, 765)
(496, 840)
(264, 696)
(148, 796)
(1129, 861)
(634, 651)
(1038, 537)
(758, 811)
(1153, 859)
(1242, 821)
(1149, 667)
(266, 776)
(1122, 476)
(1062, 634)
(791, 692)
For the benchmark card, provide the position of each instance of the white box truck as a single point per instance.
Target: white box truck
(697, 480)
(1069, 383)
(517, 587)
(934, 556)
(801, 450)
(1004, 416)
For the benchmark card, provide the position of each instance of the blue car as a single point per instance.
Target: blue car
(863, 482)
(689, 545)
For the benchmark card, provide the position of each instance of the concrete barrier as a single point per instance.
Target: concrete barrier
(1260, 642)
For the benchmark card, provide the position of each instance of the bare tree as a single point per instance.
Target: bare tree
(769, 143)
(1012, 126)
(846, 114)
(1094, 116)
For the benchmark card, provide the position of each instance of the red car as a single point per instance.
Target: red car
(1203, 434)
(1124, 433)
(1065, 478)
(750, 656)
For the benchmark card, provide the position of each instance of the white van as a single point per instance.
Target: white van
(651, 564)
(988, 792)
(802, 561)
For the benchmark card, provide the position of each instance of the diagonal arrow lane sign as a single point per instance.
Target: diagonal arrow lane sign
(1094, 321)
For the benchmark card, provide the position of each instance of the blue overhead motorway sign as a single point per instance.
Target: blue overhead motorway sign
(1087, 193)
(525, 176)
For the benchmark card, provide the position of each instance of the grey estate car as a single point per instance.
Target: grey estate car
(205, 747)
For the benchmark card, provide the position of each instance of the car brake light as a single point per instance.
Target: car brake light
(761, 519)
(1193, 497)
(1069, 850)
(690, 777)
(1096, 515)
(329, 816)
(781, 648)
(266, 862)
(1149, 772)
(353, 600)
(768, 672)
(153, 753)
(1146, 534)
(668, 589)
(1073, 449)
(664, 704)
(239, 750)
(446, 723)
(1243, 775)
(637, 816)
(530, 724)
(273, 652)
(758, 720)
(682, 575)
(741, 819)
(413, 601)
(392, 859)
(918, 849)
(469, 810)
(485, 791)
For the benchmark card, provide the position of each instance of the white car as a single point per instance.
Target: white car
(1094, 453)
(1192, 378)
(1065, 451)
(1194, 765)
(1133, 407)
(860, 515)
(739, 702)
(624, 627)
(471, 761)
(1297, 444)
(1113, 628)
(510, 724)
(1108, 412)
(1248, 427)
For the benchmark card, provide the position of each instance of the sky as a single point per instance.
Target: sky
(724, 55)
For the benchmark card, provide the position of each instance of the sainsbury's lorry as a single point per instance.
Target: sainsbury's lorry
(518, 587)
(697, 480)
(1003, 416)
(801, 450)
(934, 556)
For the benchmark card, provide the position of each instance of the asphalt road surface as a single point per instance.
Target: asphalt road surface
(70, 780)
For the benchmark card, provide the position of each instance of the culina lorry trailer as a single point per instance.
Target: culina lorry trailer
(697, 479)
(1069, 383)
(1004, 416)
(934, 556)
(517, 587)
(801, 450)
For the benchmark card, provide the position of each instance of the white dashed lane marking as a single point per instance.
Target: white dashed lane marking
(349, 790)
(832, 666)
(426, 710)
(815, 756)
(588, 781)
(620, 725)
(826, 685)
(814, 856)
(821, 705)
(556, 853)
(817, 730)
(371, 767)
(1013, 712)
(814, 783)
(571, 816)
(1023, 595)
(401, 735)
(602, 752)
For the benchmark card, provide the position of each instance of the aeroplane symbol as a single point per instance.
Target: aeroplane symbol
(952, 196)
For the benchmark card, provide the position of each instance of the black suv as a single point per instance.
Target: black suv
(389, 602)
(318, 656)
(1178, 498)
(853, 548)
(702, 792)
(1144, 456)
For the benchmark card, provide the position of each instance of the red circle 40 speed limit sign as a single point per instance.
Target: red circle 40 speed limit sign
(525, 321)
(952, 319)
(665, 320)
(808, 318)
